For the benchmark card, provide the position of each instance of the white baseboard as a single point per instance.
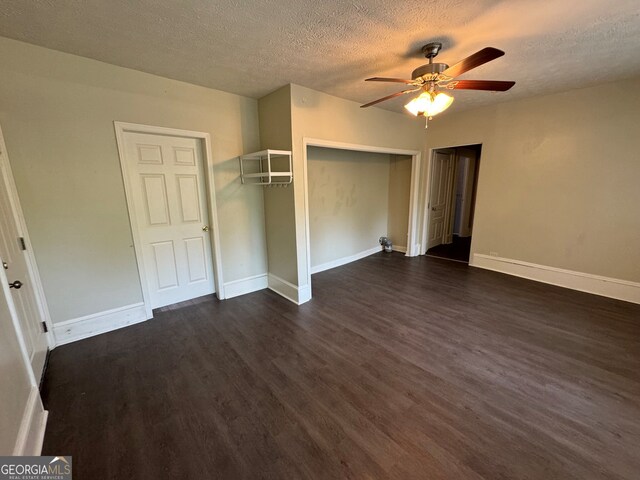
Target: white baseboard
(304, 294)
(344, 260)
(400, 249)
(97, 323)
(32, 426)
(289, 290)
(246, 285)
(584, 282)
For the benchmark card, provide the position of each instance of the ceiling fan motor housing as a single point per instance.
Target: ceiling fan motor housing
(431, 70)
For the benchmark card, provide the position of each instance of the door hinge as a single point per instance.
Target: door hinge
(44, 328)
(23, 245)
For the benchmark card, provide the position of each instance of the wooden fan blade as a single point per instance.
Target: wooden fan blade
(492, 85)
(383, 79)
(479, 58)
(389, 97)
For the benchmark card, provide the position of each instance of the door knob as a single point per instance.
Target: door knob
(5, 265)
(433, 209)
(17, 284)
(205, 228)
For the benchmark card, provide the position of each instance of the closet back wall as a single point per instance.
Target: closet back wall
(349, 203)
(399, 193)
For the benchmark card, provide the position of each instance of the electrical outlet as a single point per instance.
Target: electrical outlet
(493, 254)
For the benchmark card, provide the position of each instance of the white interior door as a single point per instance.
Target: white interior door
(442, 166)
(170, 210)
(15, 263)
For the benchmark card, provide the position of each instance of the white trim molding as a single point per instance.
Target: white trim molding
(246, 285)
(397, 248)
(583, 282)
(304, 293)
(97, 323)
(344, 260)
(32, 426)
(288, 290)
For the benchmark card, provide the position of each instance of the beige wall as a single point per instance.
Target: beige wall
(399, 190)
(57, 112)
(15, 383)
(321, 116)
(275, 133)
(559, 178)
(348, 202)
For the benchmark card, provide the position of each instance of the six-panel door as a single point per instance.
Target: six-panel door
(441, 177)
(169, 198)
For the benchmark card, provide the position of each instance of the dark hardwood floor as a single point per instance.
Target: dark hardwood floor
(459, 249)
(398, 368)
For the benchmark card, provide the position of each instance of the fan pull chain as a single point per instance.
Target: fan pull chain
(426, 121)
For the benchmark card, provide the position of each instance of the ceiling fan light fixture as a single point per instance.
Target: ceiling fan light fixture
(429, 104)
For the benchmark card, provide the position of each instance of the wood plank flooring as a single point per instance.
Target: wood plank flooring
(398, 368)
(459, 249)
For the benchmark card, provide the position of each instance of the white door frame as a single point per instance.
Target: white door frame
(413, 234)
(32, 266)
(123, 127)
(427, 190)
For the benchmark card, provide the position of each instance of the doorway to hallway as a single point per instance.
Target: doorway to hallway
(454, 179)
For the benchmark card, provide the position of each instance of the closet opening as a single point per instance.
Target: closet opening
(355, 195)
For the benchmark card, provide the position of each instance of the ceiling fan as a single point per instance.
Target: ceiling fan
(432, 78)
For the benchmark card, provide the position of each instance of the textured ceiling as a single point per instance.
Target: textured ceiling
(252, 48)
